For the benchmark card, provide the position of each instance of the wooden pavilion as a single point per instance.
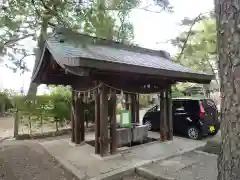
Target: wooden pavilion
(106, 67)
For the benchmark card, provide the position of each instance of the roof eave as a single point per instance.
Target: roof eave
(179, 76)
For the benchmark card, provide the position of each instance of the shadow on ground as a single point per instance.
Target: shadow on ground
(211, 147)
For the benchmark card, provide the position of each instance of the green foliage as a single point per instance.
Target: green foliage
(24, 19)
(53, 109)
(5, 102)
(143, 101)
(199, 52)
(177, 92)
(187, 89)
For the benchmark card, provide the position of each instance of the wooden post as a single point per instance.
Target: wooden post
(16, 124)
(137, 108)
(170, 123)
(97, 122)
(162, 114)
(165, 115)
(133, 108)
(73, 117)
(77, 120)
(103, 121)
(113, 126)
(126, 101)
(82, 118)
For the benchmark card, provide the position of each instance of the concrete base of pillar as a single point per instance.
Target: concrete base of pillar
(76, 145)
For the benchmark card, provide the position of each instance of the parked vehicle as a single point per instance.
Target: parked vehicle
(194, 117)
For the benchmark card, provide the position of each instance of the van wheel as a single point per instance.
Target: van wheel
(194, 133)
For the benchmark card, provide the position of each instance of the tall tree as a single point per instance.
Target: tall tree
(228, 28)
(197, 46)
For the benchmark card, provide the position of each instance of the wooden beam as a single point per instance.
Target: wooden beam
(97, 122)
(113, 121)
(73, 116)
(103, 120)
(170, 121)
(133, 86)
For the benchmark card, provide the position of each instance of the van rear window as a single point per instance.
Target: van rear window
(192, 106)
(186, 105)
(208, 103)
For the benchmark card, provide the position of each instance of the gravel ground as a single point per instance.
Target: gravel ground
(29, 161)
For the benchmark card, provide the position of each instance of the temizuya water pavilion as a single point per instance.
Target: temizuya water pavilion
(108, 67)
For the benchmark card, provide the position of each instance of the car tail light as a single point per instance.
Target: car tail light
(202, 111)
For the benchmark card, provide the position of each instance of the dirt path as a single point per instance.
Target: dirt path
(29, 161)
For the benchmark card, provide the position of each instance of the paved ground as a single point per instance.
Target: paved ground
(197, 165)
(82, 161)
(212, 144)
(189, 166)
(29, 161)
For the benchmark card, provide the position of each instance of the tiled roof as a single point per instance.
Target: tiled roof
(73, 47)
(110, 54)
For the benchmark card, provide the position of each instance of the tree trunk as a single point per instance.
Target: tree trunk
(43, 34)
(228, 19)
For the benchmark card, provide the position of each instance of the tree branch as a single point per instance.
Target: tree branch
(125, 9)
(52, 24)
(36, 10)
(26, 55)
(45, 6)
(12, 41)
(188, 35)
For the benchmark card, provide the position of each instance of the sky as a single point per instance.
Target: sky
(151, 30)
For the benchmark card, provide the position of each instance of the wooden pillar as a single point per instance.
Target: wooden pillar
(103, 120)
(162, 120)
(79, 117)
(165, 115)
(137, 109)
(113, 123)
(170, 122)
(127, 101)
(97, 122)
(82, 118)
(73, 117)
(133, 108)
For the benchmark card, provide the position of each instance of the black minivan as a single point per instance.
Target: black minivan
(194, 117)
